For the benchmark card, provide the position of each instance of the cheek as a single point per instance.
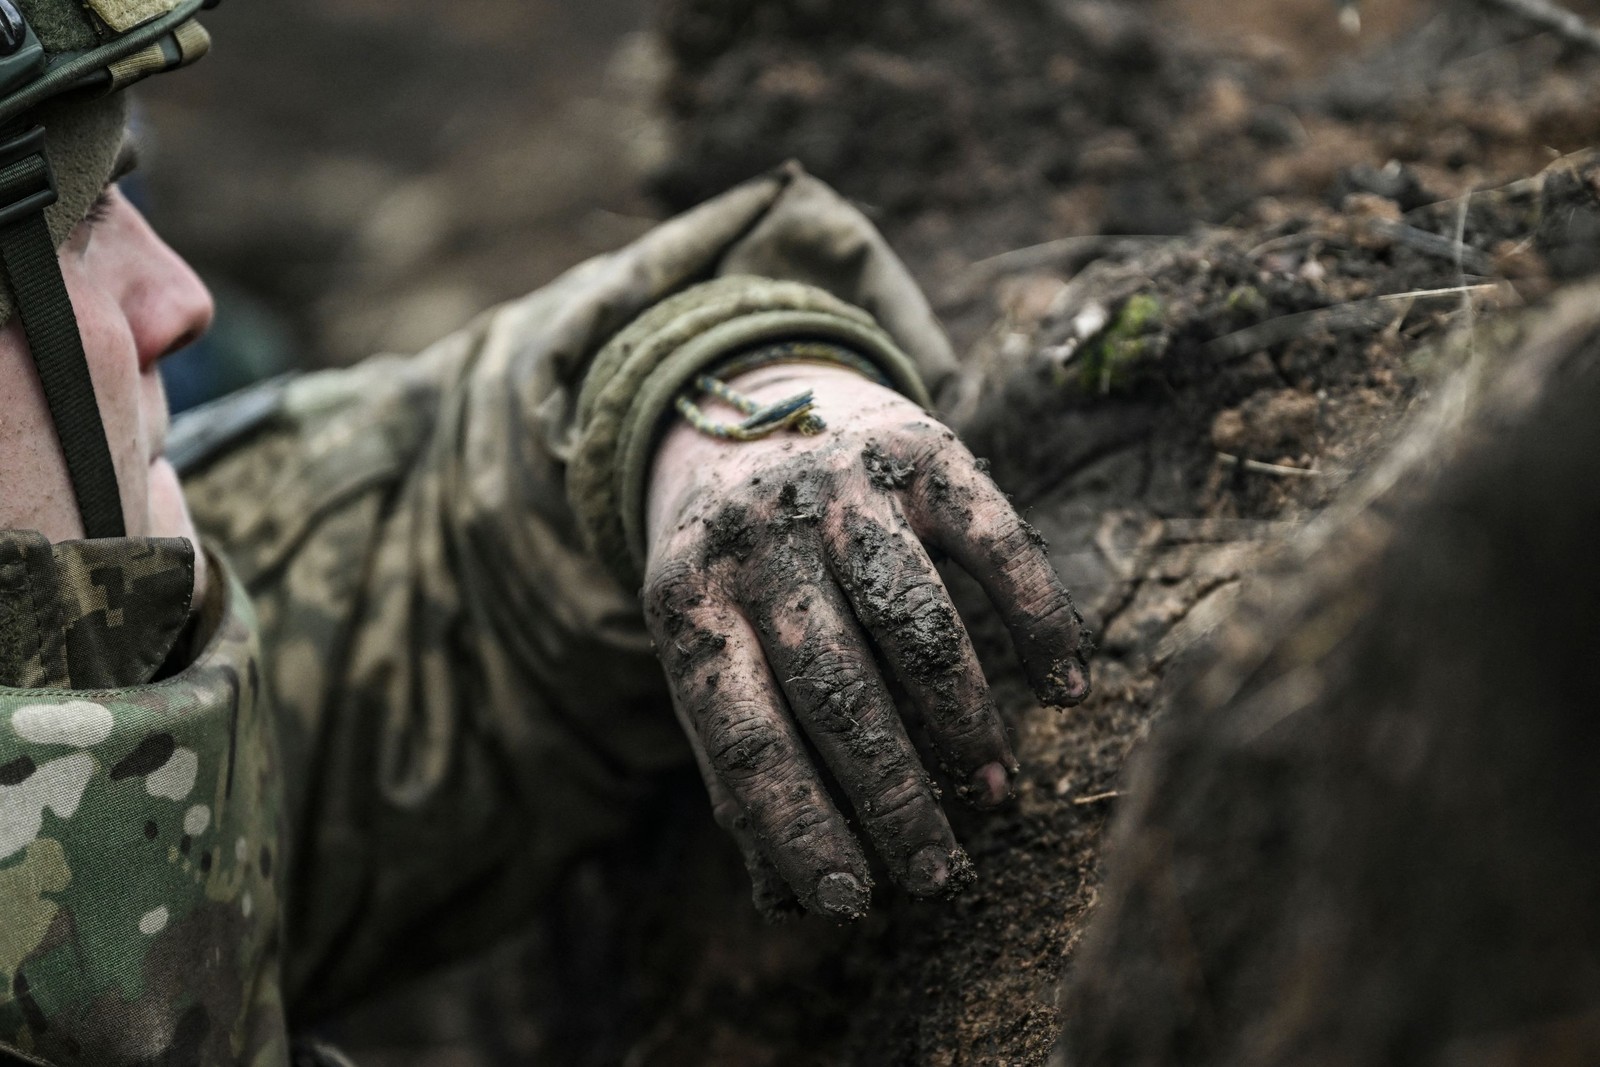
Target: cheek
(114, 366)
(34, 491)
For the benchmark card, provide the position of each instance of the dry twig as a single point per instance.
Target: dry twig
(1067, 253)
(1371, 314)
(1464, 256)
(1268, 468)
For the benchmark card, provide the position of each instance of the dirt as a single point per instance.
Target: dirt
(1268, 425)
(729, 535)
(1360, 835)
(972, 130)
(1170, 237)
(885, 471)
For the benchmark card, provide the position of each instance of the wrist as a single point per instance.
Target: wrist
(776, 380)
(688, 461)
(629, 398)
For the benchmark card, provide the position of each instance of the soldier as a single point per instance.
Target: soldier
(354, 716)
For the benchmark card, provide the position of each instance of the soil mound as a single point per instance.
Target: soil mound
(914, 106)
(1366, 832)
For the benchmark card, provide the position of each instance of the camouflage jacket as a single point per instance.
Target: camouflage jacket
(420, 700)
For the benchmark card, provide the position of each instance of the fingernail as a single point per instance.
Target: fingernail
(929, 871)
(842, 896)
(1068, 684)
(991, 785)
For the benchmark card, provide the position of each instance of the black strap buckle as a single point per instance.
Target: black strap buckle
(29, 189)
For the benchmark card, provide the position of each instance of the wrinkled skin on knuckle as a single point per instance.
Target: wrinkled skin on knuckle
(798, 829)
(893, 806)
(807, 829)
(832, 684)
(1040, 595)
(926, 443)
(899, 832)
(878, 758)
(964, 720)
(670, 590)
(690, 656)
(742, 744)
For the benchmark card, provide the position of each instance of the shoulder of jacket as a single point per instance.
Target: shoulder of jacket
(201, 434)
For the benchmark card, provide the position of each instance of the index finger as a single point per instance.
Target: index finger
(957, 508)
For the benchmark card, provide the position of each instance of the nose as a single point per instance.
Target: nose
(167, 305)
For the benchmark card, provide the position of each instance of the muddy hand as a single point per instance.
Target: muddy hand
(781, 573)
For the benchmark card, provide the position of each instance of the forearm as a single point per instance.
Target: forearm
(470, 700)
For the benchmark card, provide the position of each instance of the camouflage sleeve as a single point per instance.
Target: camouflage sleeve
(468, 701)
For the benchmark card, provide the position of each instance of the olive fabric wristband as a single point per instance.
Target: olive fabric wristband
(630, 392)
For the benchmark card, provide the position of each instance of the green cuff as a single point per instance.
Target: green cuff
(630, 390)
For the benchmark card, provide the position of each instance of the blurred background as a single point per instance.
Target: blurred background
(359, 176)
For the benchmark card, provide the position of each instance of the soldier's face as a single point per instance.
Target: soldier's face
(136, 301)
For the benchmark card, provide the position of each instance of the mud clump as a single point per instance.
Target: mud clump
(1269, 425)
(885, 471)
(730, 534)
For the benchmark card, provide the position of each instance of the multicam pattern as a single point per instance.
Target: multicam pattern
(140, 867)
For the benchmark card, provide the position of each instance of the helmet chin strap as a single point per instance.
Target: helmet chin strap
(33, 273)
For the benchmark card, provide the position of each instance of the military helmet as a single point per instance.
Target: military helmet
(62, 66)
